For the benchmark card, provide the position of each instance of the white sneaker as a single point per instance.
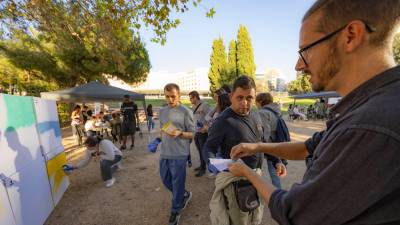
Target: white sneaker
(110, 182)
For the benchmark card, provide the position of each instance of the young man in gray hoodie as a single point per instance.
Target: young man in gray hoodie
(177, 127)
(266, 108)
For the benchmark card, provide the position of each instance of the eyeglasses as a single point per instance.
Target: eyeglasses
(327, 37)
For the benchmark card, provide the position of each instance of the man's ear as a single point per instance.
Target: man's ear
(355, 35)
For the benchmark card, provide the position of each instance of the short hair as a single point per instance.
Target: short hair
(171, 86)
(226, 87)
(382, 15)
(244, 82)
(92, 141)
(194, 94)
(264, 98)
(127, 96)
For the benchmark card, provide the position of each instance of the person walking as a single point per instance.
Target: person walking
(269, 113)
(200, 110)
(177, 128)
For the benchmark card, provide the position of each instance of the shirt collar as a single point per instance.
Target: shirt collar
(365, 89)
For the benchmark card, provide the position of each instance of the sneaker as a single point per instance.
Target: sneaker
(200, 173)
(186, 199)
(110, 182)
(174, 218)
(132, 146)
(118, 166)
(198, 168)
(123, 147)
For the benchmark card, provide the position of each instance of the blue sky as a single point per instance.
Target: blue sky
(273, 26)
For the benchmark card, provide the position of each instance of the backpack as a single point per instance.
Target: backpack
(282, 132)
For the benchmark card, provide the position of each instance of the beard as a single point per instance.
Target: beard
(330, 67)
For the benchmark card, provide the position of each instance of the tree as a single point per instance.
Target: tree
(99, 16)
(396, 48)
(301, 85)
(217, 64)
(14, 80)
(81, 40)
(245, 56)
(232, 63)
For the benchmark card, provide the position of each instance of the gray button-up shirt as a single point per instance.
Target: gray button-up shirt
(353, 171)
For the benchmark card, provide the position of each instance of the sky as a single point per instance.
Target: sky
(273, 26)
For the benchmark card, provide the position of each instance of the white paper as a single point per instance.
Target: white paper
(221, 164)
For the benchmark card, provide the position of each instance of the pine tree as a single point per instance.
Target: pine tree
(217, 64)
(245, 56)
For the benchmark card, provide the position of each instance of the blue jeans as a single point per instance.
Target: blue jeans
(107, 167)
(150, 123)
(274, 177)
(173, 176)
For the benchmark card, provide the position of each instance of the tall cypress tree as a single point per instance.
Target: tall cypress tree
(245, 56)
(232, 70)
(217, 64)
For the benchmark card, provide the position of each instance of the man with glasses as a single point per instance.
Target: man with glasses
(353, 169)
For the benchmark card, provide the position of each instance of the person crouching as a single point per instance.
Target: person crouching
(110, 157)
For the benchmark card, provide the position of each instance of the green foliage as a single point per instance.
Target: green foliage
(72, 42)
(396, 48)
(17, 81)
(245, 56)
(300, 86)
(97, 16)
(232, 71)
(218, 64)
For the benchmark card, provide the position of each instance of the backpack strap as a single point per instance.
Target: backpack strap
(197, 107)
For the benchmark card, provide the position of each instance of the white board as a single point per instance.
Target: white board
(30, 195)
(48, 127)
(6, 214)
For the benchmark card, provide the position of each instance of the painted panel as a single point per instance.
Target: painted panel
(19, 142)
(48, 127)
(58, 179)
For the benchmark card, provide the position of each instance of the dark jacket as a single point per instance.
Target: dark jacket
(353, 172)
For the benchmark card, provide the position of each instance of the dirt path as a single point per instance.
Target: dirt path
(138, 197)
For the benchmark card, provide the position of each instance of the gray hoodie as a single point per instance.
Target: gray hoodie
(269, 119)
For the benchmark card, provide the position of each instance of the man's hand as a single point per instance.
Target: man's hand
(239, 169)
(175, 133)
(204, 129)
(280, 170)
(243, 149)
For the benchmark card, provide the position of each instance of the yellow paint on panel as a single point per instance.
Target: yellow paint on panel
(55, 171)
